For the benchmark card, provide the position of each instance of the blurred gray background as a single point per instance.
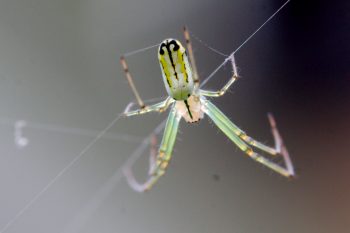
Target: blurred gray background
(60, 72)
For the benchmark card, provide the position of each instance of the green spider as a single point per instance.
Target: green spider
(188, 101)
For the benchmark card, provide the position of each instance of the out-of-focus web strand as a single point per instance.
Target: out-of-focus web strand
(39, 194)
(244, 42)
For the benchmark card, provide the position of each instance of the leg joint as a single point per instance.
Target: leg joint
(249, 151)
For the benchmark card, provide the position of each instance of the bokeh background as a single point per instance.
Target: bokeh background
(59, 71)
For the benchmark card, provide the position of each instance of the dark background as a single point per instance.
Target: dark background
(59, 71)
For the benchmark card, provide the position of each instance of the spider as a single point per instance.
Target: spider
(186, 100)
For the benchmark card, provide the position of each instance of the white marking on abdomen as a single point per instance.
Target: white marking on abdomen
(195, 106)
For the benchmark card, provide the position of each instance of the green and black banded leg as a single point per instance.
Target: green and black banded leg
(159, 163)
(224, 89)
(236, 135)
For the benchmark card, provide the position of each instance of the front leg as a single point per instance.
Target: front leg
(158, 107)
(223, 90)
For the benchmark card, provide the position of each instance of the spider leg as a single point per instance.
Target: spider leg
(235, 134)
(153, 154)
(133, 183)
(191, 55)
(280, 147)
(159, 163)
(131, 82)
(240, 133)
(158, 107)
(223, 90)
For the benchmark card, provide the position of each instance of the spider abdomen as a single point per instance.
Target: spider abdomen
(176, 69)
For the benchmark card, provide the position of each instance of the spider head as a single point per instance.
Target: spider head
(176, 69)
